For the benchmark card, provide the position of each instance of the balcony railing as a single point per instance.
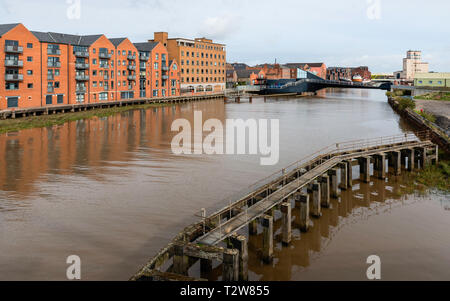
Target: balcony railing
(13, 49)
(82, 54)
(54, 64)
(106, 88)
(82, 77)
(165, 77)
(14, 77)
(106, 77)
(131, 77)
(143, 67)
(131, 67)
(80, 89)
(50, 76)
(54, 51)
(164, 68)
(13, 63)
(82, 66)
(104, 66)
(50, 89)
(104, 55)
(144, 57)
(131, 57)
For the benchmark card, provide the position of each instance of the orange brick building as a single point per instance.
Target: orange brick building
(202, 62)
(46, 69)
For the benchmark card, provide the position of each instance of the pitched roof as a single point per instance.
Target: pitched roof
(242, 73)
(117, 41)
(4, 28)
(62, 38)
(146, 46)
(302, 65)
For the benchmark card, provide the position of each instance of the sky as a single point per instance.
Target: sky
(376, 33)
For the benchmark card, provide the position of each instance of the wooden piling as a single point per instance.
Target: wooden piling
(364, 166)
(334, 183)
(344, 176)
(239, 242)
(253, 227)
(411, 160)
(286, 231)
(380, 166)
(317, 210)
(267, 223)
(180, 261)
(304, 212)
(325, 191)
(230, 265)
(396, 159)
(349, 173)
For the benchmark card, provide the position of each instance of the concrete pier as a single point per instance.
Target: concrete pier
(344, 176)
(286, 212)
(380, 166)
(411, 160)
(253, 227)
(267, 223)
(239, 242)
(364, 165)
(396, 160)
(333, 173)
(230, 265)
(349, 174)
(180, 261)
(304, 212)
(325, 191)
(317, 210)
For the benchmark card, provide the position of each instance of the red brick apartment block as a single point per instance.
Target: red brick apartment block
(41, 69)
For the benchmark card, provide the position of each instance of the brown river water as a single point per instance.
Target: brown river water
(111, 191)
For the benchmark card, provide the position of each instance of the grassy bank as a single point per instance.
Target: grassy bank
(13, 125)
(441, 96)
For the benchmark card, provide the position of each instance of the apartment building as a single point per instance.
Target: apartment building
(202, 62)
(412, 64)
(47, 68)
(158, 75)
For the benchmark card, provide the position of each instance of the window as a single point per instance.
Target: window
(94, 84)
(30, 86)
(29, 72)
(94, 72)
(157, 56)
(29, 45)
(29, 59)
(94, 61)
(156, 66)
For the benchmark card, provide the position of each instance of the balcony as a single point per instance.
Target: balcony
(13, 49)
(13, 63)
(104, 66)
(82, 77)
(104, 55)
(144, 57)
(82, 54)
(143, 67)
(81, 66)
(54, 64)
(131, 67)
(54, 51)
(131, 77)
(80, 89)
(165, 77)
(50, 76)
(14, 77)
(50, 89)
(106, 88)
(106, 77)
(164, 68)
(131, 57)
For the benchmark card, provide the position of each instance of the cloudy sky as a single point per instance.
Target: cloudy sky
(376, 33)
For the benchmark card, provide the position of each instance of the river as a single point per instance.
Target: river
(111, 191)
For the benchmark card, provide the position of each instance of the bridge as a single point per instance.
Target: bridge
(309, 184)
(315, 84)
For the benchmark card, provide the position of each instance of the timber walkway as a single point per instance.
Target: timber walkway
(318, 177)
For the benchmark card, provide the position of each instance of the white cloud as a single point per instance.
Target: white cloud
(221, 27)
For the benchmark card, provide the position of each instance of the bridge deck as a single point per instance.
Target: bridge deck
(241, 220)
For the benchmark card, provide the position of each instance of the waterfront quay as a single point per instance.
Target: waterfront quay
(306, 186)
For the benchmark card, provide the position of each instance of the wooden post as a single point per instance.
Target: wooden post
(239, 242)
(437, 154)
(396, 159)
(364, 165)
(411, 160)
(205, 268)
(344, 176)
(317, 210)
(334, 183)
(380, 166)
(423, 157)
(267, 223)
(230, 265)
(179, 260)
(325, 191)
(286, 211)
(304, 212)
(253, 227)
(349, 173)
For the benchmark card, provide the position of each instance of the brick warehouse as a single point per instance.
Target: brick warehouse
(45, 69)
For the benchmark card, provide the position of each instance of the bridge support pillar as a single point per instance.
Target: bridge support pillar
(334, 183)
(396, 160)
(325, 191)
(230, 265)
(436, 155)
(250, 99)
(317, 210)
(304, 212)
(364, 166)
(349, 173)
(423, 157)
(411, 159)
(253, 227)
(239, 242)
(344, 176)
(267, 223)
(180, 261)
(286, 211)
(380, 166)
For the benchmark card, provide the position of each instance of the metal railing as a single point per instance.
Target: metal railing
(104, 55)
(13, 63)
(14, 77)
(82, 66)
(51, 64)
(13, 49)
(82, 54)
